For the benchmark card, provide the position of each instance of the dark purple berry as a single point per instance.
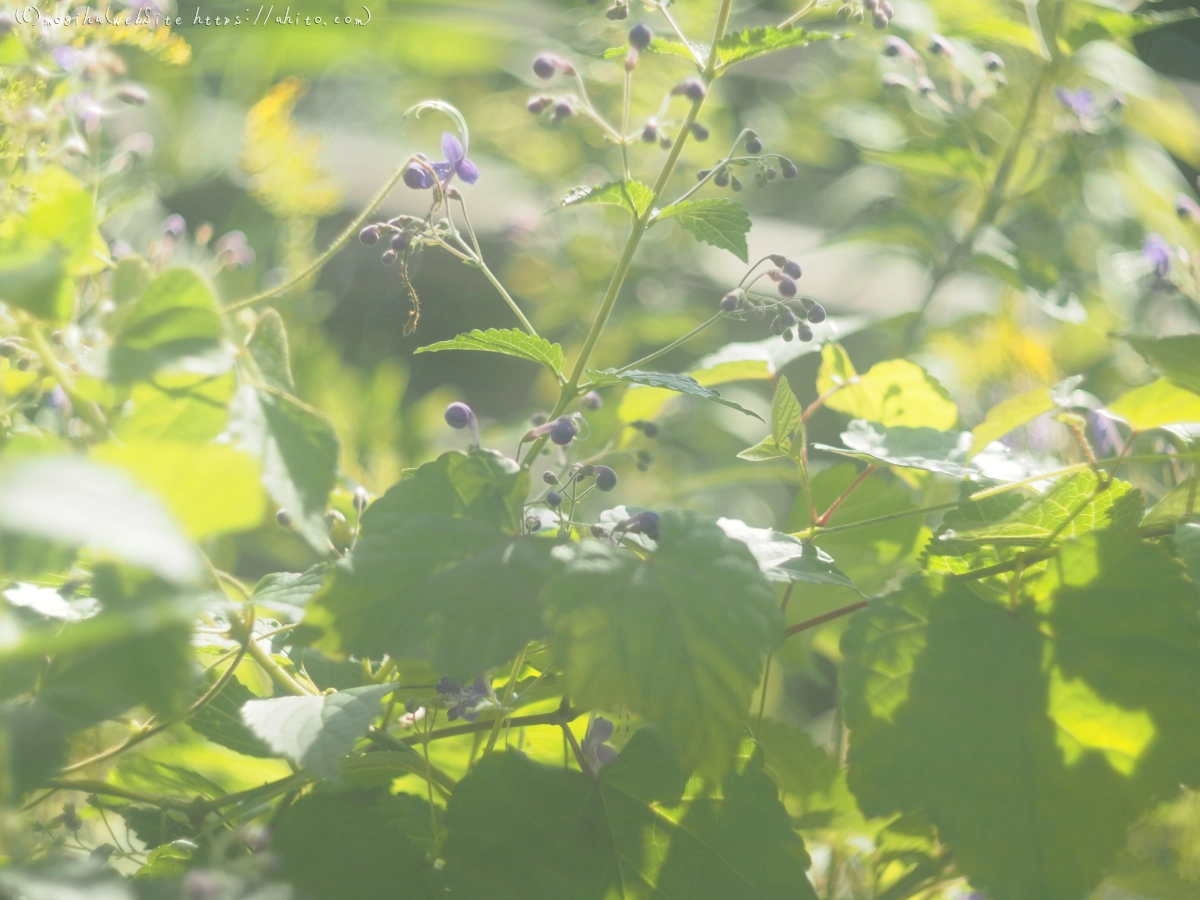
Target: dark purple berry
(554, 499)
(692, 88)
(791, 269)
(730, 302)
(816, 313)
(649, 429)
(284, 518)
(702, 174)
(539, 419)
(369, 235)
(735, 183)
(665, 142)
(754, 144)
(804, 332)
(640, 36)
(992, 62)
(788, 168)
(939, 46)
(787, 335)
(699, 132)
(388, 257)
(771, 173)
(399, 241)
(592, 400)
(879, 20)
(545, 66)
(563, 431)
(598, 531)
(787, 287)
(459, 415)
(926, 86)
(647, 523)
(549, 478)
(787, 318)
(9, 348)
(721, 178)
(538, 105)
(562, 110)
(650, 133)
(606, 478)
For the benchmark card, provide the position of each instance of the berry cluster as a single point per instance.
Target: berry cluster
(792, 313)
(920, 82)
(722, 173)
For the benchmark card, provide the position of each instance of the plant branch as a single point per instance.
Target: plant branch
(833, 507)
(808, 624)
(87, 410)
(518, 664)
(671, 346)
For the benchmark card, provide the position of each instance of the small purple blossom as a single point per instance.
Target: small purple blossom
(1081, 102)
(463, 702)
(417, 176)
(1157, 252)
(597, 753)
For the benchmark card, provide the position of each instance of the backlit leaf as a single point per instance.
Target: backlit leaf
(510, 342)
(721, 222)
(682, 384)
(632, 196)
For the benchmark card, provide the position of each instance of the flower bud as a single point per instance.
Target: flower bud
(547, 64)
(788, 336)
(1187, 208)
(735, 183)
(650, 133)
(388, 257)
(538, 419)
(417, 178)
(804, 332)
(939, 46)
(284, 518)
(771, 173)
(563, 431)
(606, 478)
(992, 62)
(538, 105)
(598, 531)
(550, 478)
(174, 225)
(361, 499)
(399, 240)
(649, 429)
(791, 269)
(870, 5)
(134, 94)
(816, 313)
(640, 36)
(702, 174)
(554, 499)
(617, 12)
(786, 287)
(886, 8)
(369, 236)
(692, 88)
(459, 415)
(731, 301)
(665, 142)
(646, 522)
(721, 179)
(7, 22)
(754, 144)
(788, 168)
(879, 20)
(533, 524)
(592, 400)
(9, 348)
(562, 110)
(787, 318)
(412, 704)
(25, 363)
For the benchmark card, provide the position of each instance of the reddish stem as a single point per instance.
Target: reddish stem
(819, 402)
(827, 617)
(825, 516)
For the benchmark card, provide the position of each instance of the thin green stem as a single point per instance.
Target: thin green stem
(808, 624)
(663, 351)
(317, 264)
(518, 664)
(489, 275)
(87, 410)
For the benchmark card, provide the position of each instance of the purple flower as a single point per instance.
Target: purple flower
(418, 177)
(463, 702)
(1157, 252)
(595, 751)
(1081, 102)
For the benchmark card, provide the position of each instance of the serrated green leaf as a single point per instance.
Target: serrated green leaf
(175, 317)
(338, 845)
(679, 638)
(287, 593)
(510, 342)
(753, 42)
(1004, 417)
(1062, 721)
(632, 196)
(299, 453)
(784, 558)
(315, 732)
(722, 222)
(78, 503)
(220, 720)
(836, 369)
(913, 448)
(637, 831)
(471, 591)
(785, 412)
(268, 346)
(766, 450)
(1156, 405)
(664, 46)
(896, 392)
(681, 384)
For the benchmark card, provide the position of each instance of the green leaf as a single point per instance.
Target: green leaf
(167, 861)
(896, 392)
(209, 489)
(836, 369)
(912, 448)
(1061, 722)
(784, 558)
(220, 720)
(661, 45)
(1157, 404)
(268, 346)
(33, 278)
(1176, 358)
(299, 453)
(175, 317)
(678, 638)
(682, 384)
(287, 593)
(639, 830)
(1004, 417)
(632, 196)
(315, 732)
(178, 407)
(766, 450)
(510, 342)
(130, 278)
(721, 222)
(338, 845)
(753, 42)
(785, 412)
(78, 503)
(470, 596)
(1187, 545)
